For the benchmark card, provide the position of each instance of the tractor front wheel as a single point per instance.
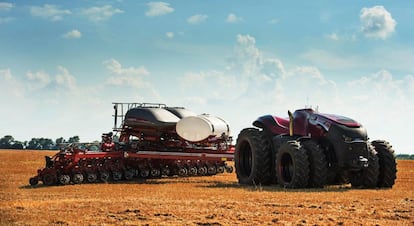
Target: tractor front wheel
(292, 165)
(387, 163)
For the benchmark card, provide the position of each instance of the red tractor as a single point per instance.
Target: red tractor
(311, 150)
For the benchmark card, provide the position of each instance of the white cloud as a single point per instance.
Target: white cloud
(158, 9)
(383, 86)
(116, 68)
(382, 102)
(6, 74)
(197, 19)
(121, 76)
(251, 77)
(232, 18)
(326, 59)
(98, 14)
(65, 79)
(5, 20)
(10, 87)
(169, 34)
(273, 21)
(129, 83)
(37, 80)
(333, 36)
(58, 103)
(210, 86)
(51, 12)
(377, 22)
(41, 80)
(247, 56)
(73, 34)
(6, 6)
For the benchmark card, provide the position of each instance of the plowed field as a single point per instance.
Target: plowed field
(214, 200)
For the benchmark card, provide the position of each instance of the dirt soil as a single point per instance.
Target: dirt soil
(213, 200)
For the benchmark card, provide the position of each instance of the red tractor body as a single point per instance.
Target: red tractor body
(311, 149)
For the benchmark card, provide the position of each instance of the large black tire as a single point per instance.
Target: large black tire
(387, 163)
(292, 165)
(253, 157)
(318, 165)
(368, 177)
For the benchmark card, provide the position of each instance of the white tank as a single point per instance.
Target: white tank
(201, 127)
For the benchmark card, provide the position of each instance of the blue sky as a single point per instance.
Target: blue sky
(62, 63)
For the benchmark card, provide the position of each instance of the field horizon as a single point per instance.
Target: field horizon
(212, 200)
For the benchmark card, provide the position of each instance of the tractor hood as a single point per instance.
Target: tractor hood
(340, 120)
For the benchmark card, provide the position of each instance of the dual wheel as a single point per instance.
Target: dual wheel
(294, 166)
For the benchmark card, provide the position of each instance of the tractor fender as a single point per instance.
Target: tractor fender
(272, 124)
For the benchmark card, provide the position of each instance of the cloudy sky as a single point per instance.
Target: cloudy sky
(62, 63)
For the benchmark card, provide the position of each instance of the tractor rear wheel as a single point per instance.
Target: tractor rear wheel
(253, 157)
(387, 163)
(292, 165)
(367, 177)
(318, 165)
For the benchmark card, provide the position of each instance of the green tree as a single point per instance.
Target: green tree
(46, 143)
(74, 139)
(17, 145)
(34, 144)
(6, 142)
(60, 140)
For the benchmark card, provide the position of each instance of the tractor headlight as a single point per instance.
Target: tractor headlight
(347, 139)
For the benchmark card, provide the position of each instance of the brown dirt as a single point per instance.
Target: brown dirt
(215, 200)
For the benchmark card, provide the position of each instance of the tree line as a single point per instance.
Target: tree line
(8, 142)
(405, 156)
